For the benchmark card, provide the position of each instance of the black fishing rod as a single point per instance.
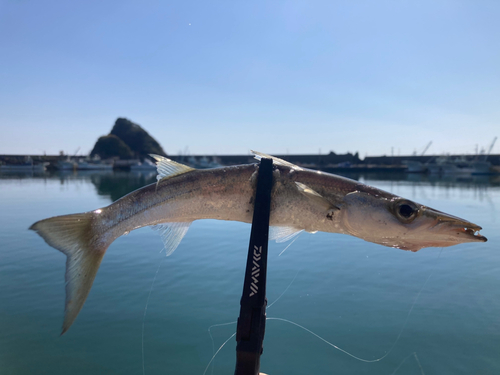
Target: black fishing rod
(252, 320)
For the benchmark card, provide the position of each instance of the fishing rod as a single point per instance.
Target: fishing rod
(252, 320)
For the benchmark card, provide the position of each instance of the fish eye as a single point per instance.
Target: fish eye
(406, 211)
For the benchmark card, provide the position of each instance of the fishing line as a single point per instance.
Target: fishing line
(323, 339)
(414, 354)
(393, 345)
(290, 244)
(281, 295)
(419, 364)
(401, 363)
(213, 344)
(144, 317)
(229, 323)
(217, 352)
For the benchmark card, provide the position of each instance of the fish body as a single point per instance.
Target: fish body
(301, 200)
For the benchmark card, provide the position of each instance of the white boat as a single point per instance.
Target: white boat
(467, 168)
(94, 164)
(415, 166)
(438, 166)
(459, 166)
(205, 163)
(481, 167)
(147, 165)
(41, 167)
(66, 165)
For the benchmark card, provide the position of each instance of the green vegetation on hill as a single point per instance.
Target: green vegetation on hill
(135, 137)
(109, 146)
(126, 140)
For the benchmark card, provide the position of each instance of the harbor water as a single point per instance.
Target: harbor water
(436, 311)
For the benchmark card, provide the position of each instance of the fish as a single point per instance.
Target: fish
(301, 200)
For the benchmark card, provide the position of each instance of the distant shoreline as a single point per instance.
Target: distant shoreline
(312, 160)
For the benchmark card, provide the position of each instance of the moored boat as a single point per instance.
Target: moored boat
(28, 165)
(459, 166)
(146, 165)
(93, 166)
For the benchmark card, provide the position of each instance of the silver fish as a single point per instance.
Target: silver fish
(301, 200)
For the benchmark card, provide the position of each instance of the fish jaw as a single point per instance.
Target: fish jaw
(450, 229)
(376, 218)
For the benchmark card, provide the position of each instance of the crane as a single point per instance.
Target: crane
(490, 148)
(426, 148)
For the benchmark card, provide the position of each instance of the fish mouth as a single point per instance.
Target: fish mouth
(472, 232)
(462, 230)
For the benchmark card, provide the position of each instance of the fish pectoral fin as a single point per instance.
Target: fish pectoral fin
(172, 234)
(316, 197)
(168, 168)
(277, 161)
(283, 234)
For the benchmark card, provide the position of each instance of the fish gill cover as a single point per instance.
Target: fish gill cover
(125, 141)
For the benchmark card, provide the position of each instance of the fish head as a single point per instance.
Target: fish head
(401, 223)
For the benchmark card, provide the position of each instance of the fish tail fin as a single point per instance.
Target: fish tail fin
(74, 236)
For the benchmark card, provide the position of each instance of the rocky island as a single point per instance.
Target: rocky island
(127, 140)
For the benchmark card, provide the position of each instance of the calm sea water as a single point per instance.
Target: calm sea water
(436, 311)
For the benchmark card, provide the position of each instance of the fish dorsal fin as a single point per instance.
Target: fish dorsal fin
(172, 234)
(168, 168)
(315, 196)
(283, 234)
(277, 161)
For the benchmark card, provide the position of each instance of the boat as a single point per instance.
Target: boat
(204, 162)
(28, 166)
(66, 165)
(94, 164)
(413, 166)
(146, 165)
(40, 167)
(446, 165)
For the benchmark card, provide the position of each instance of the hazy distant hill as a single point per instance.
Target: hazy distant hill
(126, 140)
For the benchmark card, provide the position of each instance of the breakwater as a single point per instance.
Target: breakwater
(319, 161)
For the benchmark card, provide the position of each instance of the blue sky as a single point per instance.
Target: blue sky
(229, 76)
